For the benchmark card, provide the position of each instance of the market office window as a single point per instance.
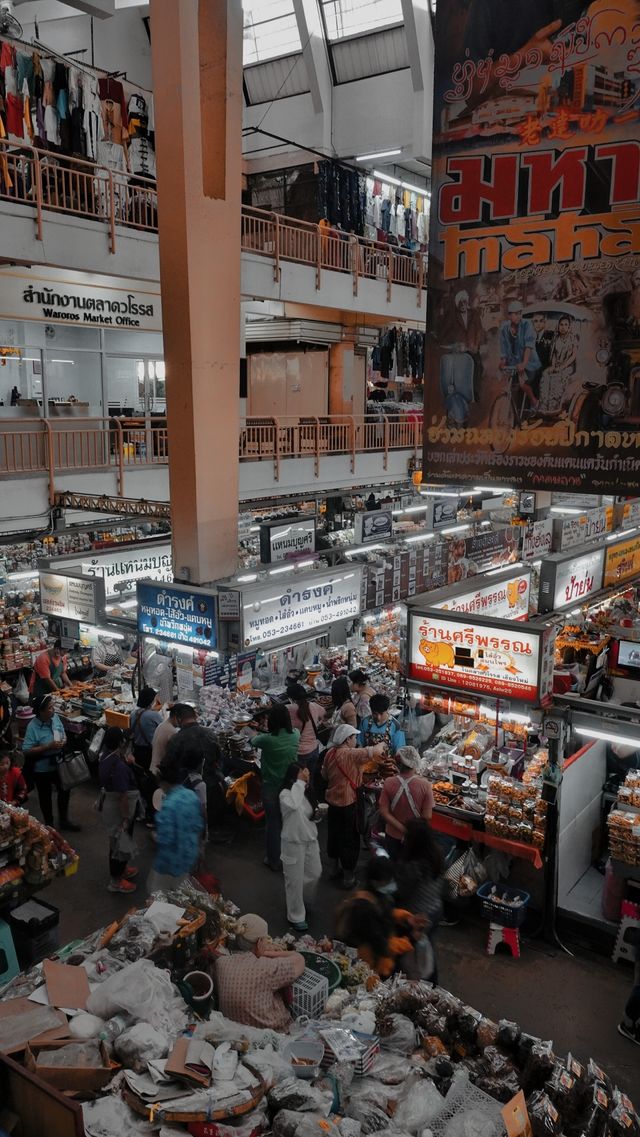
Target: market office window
(270, 30)
(345, 18)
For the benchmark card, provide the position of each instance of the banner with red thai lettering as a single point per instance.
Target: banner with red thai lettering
(533, 352)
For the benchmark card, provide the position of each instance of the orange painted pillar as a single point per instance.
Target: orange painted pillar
(197, 72)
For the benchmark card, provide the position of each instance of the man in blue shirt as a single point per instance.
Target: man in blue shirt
(380, 727)
(44, 741)
(518, 349)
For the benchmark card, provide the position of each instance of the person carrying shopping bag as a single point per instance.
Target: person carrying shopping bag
(118, 805)
(300, 852)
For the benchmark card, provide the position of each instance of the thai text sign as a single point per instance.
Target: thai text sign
(580, 530)
(183, 615)
(536, 540)
(504, 599)
(71, 597)
(498, 659)
(282, 540)
(127, 565)
(571, 580)
(623, 561)
(534, 316)
(281, 609)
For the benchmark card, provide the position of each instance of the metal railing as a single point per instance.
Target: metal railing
(61, 184)
(59, 446)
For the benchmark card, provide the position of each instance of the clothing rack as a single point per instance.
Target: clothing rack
(37, 45)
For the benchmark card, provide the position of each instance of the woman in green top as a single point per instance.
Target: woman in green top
(278, 749)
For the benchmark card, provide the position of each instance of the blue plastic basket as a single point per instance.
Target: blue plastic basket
(500, 913)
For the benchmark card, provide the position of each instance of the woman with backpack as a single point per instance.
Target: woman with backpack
(119, 801)
(342, 771)
(344, 712)
(144, 722)
(306, 716)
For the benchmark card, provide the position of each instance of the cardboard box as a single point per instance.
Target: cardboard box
(116, 718)
(22, 1021)
(87, 1079)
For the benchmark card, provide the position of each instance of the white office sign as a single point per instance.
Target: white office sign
(78, 299)
(71, 597)
(283, 540)
(537, 539)
(121, 568)
(631, 514)
(372, 526)
(283, 609)
(574, 531)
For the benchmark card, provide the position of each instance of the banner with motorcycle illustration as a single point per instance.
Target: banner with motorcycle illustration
(533, 351)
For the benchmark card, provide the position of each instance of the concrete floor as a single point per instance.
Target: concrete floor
(575, 1001)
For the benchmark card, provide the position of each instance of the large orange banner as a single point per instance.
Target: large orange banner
(533, 360)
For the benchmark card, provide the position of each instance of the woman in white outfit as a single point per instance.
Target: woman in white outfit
(300, 852)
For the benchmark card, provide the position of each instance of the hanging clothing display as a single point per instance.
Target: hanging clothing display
(399, 215)
(399, 354)
(72, 109)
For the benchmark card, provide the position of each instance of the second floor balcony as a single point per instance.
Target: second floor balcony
(68, 213)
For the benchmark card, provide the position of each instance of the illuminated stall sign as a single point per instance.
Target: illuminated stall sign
(536, 540)
(567, 581)
(493, 657)
(372, 526)
(574, 531)
(120, 569)
(623, 562)
(182, 615)
(472, 555)
(281, 540)
(531, 373)
(72, 597)
(282, 609)
(503, 599)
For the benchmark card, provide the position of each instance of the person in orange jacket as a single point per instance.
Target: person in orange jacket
(369, 921)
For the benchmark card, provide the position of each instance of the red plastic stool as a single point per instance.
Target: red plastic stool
(500, 935)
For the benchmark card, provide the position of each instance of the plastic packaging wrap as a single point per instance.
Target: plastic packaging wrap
(623, 1120)
(539, 1067)
(418, 1104)
(432, 1021)
(140, 989)
(544, 1117)
(486, 1034)
(85, 1026)
(140, 1044)
(597, 1111)
(398, 1034)
(564, 1092)
(389, 1069)
(508, 1035)
(289, 1123)
(225, 1064)
(294, 1094)
(370, 1091)
(433, 1046)
(372, 1119)
(270, 1065)
(470, 1123)
(135, 939)
(363, 1021)
(84, 1054)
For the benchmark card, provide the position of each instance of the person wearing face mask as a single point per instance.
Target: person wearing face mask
(370, 922)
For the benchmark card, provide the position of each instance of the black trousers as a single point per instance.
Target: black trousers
(45, 785)
(343, 839)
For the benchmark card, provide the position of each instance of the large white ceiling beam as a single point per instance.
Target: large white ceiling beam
(316, 58)
(417, 25)
(42, 11)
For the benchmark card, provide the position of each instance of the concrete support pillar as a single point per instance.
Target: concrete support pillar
(197, 68)
(347, 380)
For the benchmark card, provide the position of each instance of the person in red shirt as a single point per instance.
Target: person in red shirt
(404, 796)
(13, 788)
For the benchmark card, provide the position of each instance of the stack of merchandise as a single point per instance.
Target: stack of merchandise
(516, 811)
(624, 822)
(31, 853)
(394, 1058)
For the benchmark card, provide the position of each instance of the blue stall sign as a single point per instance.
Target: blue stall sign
(171, 612)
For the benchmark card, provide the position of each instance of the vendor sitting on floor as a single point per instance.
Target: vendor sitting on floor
(251, 981)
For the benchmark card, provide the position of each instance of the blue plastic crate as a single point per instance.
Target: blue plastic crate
(501, 913)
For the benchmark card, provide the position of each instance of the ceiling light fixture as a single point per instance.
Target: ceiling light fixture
(607, 736)
(387, 178)
(376, 155)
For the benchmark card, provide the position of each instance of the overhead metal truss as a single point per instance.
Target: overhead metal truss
(104, 503)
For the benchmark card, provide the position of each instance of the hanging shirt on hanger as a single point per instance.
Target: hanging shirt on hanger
(52, 125)
(91, 119)
(24, 66)
(48, 70)
(112, 90)
(15, 120)
(10, 81)
(142, 159)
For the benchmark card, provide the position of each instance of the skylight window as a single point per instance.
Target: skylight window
(270, 30)
(357, 17)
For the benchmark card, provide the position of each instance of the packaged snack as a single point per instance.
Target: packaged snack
(544, 1117)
